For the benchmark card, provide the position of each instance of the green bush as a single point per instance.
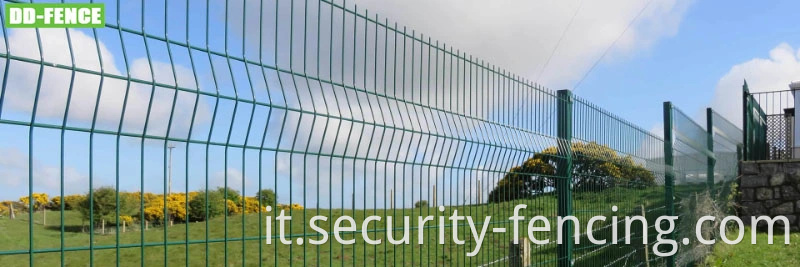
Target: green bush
(267, 197)
(421, 204)
(197, 205)
(595, 168)
(104, 205)
(233, 195)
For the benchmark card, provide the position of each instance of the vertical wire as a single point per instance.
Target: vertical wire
(338, 129)
(8, 62)
(63, 132)
(228, 139)
(366, 95)
(243, 197)
(91, 134)
(190, 135)
(377, 154)
(30, 150)
(361, 113)
(168, 185)
(144, 131)
(208, 143)
(246, 141)
(327, 111)
(283, 122)
(263, 140)
(313, 122)
(119, 130)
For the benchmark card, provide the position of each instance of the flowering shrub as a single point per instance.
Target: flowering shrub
(154, 214)
(251, 205)
(176, 207)
(39, 200)
(4, 209)
(126, 219)
(232, 207)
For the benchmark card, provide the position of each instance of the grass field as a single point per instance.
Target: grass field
(246, 248)
(761, 254)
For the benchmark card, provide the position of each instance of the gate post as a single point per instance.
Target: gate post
(711, 158)
(745, 122)
(564, 175)
(669, 174)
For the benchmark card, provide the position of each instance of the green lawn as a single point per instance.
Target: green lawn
(14, 237)
(761, 254)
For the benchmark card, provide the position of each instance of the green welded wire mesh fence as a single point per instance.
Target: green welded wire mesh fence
(754, 126)
(163, 137)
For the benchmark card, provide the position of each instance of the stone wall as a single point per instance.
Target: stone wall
(770, 188)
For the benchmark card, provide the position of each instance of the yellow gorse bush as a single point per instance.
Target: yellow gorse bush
(176, 205)
(4, 208)
(39, 200)
(126, 219)
(154, 207)
(232, 207)
(251, 205)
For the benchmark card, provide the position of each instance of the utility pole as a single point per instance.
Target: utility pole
(169, 182)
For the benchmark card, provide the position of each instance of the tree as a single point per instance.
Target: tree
(72, 202)
(595, 168)
(197, 206)
(421, 203)
(232, 195)
(103, 205)
(267, 197)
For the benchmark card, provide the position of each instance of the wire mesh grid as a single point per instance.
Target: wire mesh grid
(164, 134)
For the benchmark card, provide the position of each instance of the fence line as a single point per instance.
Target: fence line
(315, 108)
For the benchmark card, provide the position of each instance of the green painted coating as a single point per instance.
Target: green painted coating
(444, 118)
(564, 172)
(669, 173)
(710, 142)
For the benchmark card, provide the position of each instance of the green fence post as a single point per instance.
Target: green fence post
(745, 122)
(711, 159)
(669, 175)
(564, 173)
(739, 153)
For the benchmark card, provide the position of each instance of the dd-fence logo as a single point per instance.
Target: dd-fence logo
(55, 15)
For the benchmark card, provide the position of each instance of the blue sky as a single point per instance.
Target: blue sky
(686, 69)
(694, 53)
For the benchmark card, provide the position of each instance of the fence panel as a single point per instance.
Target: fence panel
(704, 164)
(616, 164)
(176, 134)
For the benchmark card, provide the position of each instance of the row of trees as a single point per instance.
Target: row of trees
(105, 203)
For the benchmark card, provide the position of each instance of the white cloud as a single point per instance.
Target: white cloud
(520, 35)
(46, 178)
(234, 178)
(762, 74)
(517, 36)
(23, 78)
